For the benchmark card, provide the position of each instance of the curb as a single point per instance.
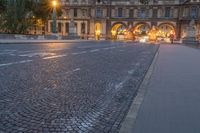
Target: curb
(43, 41)
(130, 119)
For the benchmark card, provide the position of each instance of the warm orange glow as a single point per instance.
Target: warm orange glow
(153, 34)
(98, 32)
(54, 3)
(114, 32)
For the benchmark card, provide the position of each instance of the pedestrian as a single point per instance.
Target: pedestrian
(171, 38)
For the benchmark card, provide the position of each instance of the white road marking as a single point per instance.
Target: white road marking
(44, 50)
(106, 48)
(13, 63)
(6, 53)
(121, 84)
(37, 54)
(53, 57)
(131, 71)
(83, 52)
(109, 48)
(9, 50)
(112, 47)
(75, 70)
(95, 50)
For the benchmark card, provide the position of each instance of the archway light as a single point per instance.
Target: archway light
(54, 3)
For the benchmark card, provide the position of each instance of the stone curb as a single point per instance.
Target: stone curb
(40, 41)
(130, 119)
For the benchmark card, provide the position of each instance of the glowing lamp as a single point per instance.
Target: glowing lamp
(54, 3)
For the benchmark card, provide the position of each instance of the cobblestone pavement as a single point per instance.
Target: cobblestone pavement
(76, 87)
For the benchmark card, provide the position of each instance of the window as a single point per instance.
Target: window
(155, 13)
(186, 12)
(131, 13)
(194, 12)
(67, 27)
(59, 27)
(75, 12)
(155, 1)
(98, 1)
(83, 1)
(120, 12)
(98, 12)
(84, 12)
(75, 27)
(142, 13)
(167, 11)
(75, 1)
(83, 28)
(51, 27)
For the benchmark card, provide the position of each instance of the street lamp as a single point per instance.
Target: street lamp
(34, 19)
(54, 16)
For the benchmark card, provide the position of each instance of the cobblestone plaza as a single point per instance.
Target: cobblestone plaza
(75, 87)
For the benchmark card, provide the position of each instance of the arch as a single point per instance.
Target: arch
(122, 23)
(165, 29)
(142, 23)
(169, 24)
(118, 29)
(141, 28)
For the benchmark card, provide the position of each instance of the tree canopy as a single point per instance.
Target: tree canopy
(2, 6)
(17, 16)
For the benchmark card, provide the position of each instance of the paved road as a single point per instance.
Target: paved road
(73, 87)
(171, 103)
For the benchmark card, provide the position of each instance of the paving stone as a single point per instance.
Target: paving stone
(48, 96)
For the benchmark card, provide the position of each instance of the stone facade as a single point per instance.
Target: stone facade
(94, 18)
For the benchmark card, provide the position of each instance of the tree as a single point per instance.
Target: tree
(2, 6)
(17, 17)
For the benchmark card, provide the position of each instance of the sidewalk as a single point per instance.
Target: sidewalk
(15, 41)
(172, 99)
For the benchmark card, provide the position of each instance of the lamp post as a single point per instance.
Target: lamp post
(54, 16)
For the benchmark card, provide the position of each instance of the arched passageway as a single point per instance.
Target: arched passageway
(118, 31)
(98, 31)
(141, 29)
(165, 30)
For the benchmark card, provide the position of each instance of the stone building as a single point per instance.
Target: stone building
(106, 19)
